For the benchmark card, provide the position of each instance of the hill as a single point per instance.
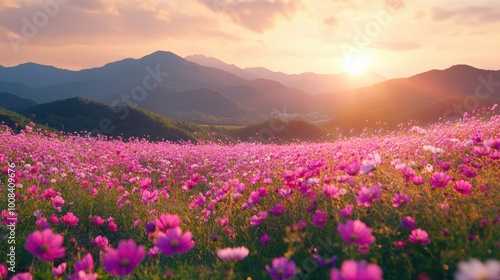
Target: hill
(15, 103)
(84, 115)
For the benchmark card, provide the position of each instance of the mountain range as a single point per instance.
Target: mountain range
(208, 91)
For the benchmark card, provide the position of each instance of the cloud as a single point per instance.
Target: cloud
(331, 21)
(257, 16)
(471, 15)
(397, 46)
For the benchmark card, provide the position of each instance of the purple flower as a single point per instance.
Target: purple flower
(264, 239)
(408, 223)
(319, 218)
(352, 169)
(419, 236)
(400, 199)
(174, 242)
(347, 211)
(232, 254)
(356, 232)
(167, 221)
(440, 180)
(281, 269)
(45, 245)
(408, 173)
(123, 260)
(325, 262)
(278, 210)
(463, 187)
(256, 220)
(69, 219)
(331, 191)
(86, 264)
(22, 276)
(352, 270)
(59, 270)
(367, 195)
(153, 252)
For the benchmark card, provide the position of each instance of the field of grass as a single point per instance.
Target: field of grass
(412, 204)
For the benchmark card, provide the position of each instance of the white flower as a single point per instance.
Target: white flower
(476, 270)
(232, 254)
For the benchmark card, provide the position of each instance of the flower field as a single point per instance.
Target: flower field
(412, 204)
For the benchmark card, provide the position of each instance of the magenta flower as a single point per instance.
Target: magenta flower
(3, 271)
(82, 275)
(347, 211)
(42, 224)
(352, 270)
(69, 219)
(417, 180)
(408, 173)
(59, 270)
(356, 232)
(256, 220)
(45, 245)
(22, 276)
(278, 210)
(174, 242)
(101, 242)
(123, 260)
(153, 252)
(408, 223)
(9, 217)
(367, 195)
(331, 191)
(463, 187)
(400, 199)
(264, 239)
(232, 254)
(440, 180)
(419, 236)
(319, 218)
(96, 220)
(281, 269)
(167, 221)
(86, 264)
(352, 169)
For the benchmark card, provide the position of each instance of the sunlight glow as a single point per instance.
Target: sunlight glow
(357, 63)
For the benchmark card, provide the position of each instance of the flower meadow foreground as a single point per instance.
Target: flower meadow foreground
(418, 203)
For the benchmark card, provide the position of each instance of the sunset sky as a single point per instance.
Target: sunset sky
(393, 38)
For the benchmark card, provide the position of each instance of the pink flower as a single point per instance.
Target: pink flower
(278, 210)
(82, 275)
(347, 211)
(69, 219)
(417, 180)
(45, 245)
(463, 187)
(86, 264)
(352, 270)
(112, 226)
(59, 270)
(3, 271)
(149, 197)
(54, 219)
(440, 180)
(352, 169)
(22, 276)
(408, 223)
(256, 220)
(367, 195)
(319, 218)
(101, 242)
(174, 242)
(281, 269)
(400, 199)
(356, 232)
(9, 217)
(331, 191)
(167, 221)
(42, 223)
(123, 260)
(232, 254)
(419, 236)
(98, 221)
(57, 202)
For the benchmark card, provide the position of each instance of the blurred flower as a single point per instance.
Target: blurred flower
(101, 242)
(69, 219)
(59, 270)
(356, 232)
(325, 262)
(400, 199)
(367, 195)
(277, 210)
(256, 220)
(440, 179)
(123, 260)
(174, 242)
(353, 270)
(264, 239)
(463, 187)
(45, 245)
(281, 269)
(22, 276)
(232, 254)
(347, 211)
(474, 269)
(408, 223)
(319, 218)
(167, 221)
(85, 264)
(419, 236)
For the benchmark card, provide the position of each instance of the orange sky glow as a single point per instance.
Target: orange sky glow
(396, 38)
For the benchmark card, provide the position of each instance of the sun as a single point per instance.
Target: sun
(357, 63)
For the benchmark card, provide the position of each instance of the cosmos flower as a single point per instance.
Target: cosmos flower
(45, 245)
(69, 219)
(408, 223)
(474, 269)
(440, 180)
(356, 232)
(122, 260)
(419, 236)
(367, 195)
(281, 269)
(319, 218)
(353, 270)
(59, 270)
(232, 254)
(256, 220)
(463, 187)
(400, 199)
(174, 242)
(167, 221)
